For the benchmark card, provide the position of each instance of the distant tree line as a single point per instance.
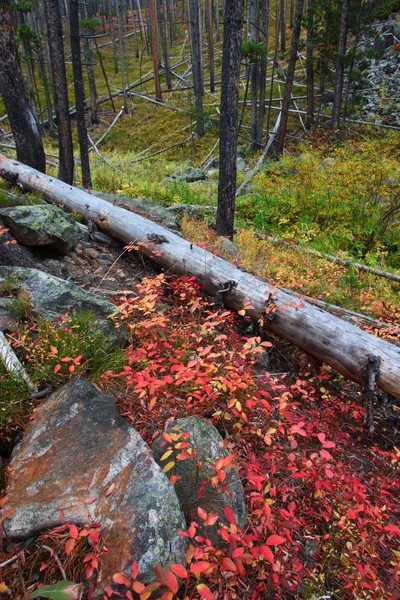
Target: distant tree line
(263, 41)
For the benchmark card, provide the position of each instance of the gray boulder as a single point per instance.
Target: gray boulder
(191, 175)
(42, 225)
(79, 448)
(52, 297)
(208, 447)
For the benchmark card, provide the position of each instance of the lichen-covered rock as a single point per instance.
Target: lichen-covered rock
(52, 297)
(196, 473)
(191, 175)
(78, 448)
(42, 225)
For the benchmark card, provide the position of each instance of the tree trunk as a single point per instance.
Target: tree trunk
(60, 91)
(210, 44)
(112, 31)
(283, 25)
(196, 49)
(254, 70)
(79, 91)
(166, 44)
(231, 56)
(154, 49)
(91, 79)
(310, 64)
(121, 32)
(322, 335)
(290, 74)
(23, 124)
(217, 23)
(337, 97)
(263, 70)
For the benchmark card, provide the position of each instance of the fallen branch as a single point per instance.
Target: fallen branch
(330, 257)
(331, 340)
(11, 362)
(161, 151)
(102, 157)
(109, 129)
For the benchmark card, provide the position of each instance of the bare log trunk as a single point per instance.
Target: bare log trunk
(337, 343)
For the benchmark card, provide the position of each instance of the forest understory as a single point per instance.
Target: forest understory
(318, 456)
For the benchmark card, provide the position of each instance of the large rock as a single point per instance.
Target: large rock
(52, 297)
(77, 448)
(191, 175)
(42, 225)
(208, 446)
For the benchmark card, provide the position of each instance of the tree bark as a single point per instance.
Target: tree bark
(254, 71)
(210, 43)
(290, 75)
(121, 32)
(196, 49)
(322, 335)
(263, 70)
(231, 56)
(60, 91)
(310, 64)
(283, 25)
(23, 124)
(337, 97)
(79, 92)
(154, 49)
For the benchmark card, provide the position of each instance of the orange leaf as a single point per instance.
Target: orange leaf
(205, 592)
(69, 545)
(73, 532)
(199, 567)
(56, 368)
(121, 579)
(161, 574)
(138, 587)
(179, 570)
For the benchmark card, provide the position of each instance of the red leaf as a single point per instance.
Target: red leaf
(172, 583)
(73, 532)
(228, 512)
(161, 574)
(267, 554)
(392, 529)
(275, 540)
(179, 570)
(237, 552)
(90, 501)
(200, 566)
(110, 490)
(134, 570)
(202, 513)
(205, 592)
(138, 587)
(121, 579)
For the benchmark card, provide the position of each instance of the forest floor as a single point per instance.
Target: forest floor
(322, 491)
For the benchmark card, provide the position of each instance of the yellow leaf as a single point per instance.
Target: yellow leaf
(166, 454)
(169, 466)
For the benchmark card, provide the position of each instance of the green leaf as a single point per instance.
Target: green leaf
(63, 590)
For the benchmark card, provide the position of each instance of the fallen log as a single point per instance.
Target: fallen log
(335, 342)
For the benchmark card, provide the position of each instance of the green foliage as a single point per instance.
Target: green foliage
(90, 24)
(349, 201)
(253, 52)
(28, 35)
(63, 590)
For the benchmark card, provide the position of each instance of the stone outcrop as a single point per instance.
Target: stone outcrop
(78, 448)
(52, 297)
(42, 225)
(208, 447)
